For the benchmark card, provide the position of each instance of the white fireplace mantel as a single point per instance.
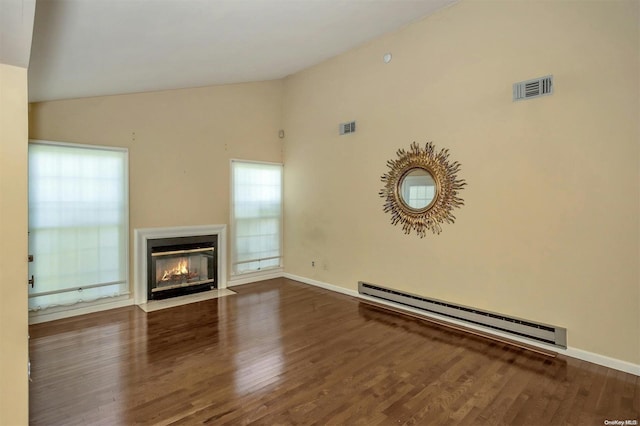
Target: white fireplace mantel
(141, 236)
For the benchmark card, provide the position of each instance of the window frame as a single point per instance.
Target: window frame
(232, 221)
(126, 228)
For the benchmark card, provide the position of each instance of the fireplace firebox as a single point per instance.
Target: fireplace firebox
(181, 265)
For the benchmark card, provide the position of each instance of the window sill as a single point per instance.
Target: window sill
(251, 277)
(81, 308)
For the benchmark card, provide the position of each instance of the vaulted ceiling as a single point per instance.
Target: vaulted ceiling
(87, 48)
(16, 29)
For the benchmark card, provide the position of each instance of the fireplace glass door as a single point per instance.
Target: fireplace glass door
(179, 269)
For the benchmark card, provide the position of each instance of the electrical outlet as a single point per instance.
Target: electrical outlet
(313, 263)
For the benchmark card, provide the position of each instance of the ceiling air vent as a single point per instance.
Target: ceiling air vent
(346, 128)
(533, 88)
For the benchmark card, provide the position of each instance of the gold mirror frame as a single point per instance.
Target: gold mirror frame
(447, 186)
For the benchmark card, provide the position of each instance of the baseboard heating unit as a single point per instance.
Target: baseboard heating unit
(536, 332)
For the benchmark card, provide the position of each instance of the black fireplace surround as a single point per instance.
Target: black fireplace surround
(181, 265)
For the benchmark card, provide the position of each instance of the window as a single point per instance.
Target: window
(78, 223)
(256, 216)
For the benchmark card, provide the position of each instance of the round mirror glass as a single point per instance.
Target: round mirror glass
(417, 188)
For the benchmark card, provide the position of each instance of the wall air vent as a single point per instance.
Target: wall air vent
(536, 332)
(346, 128)
(533, 88)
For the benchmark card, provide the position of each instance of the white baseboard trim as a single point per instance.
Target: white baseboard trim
(38, 317)
(254, 277)
(324, 285)
(606, 361)
(603, 360)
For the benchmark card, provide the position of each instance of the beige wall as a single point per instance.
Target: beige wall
(180, 143)
(13, 246)
(550, 229)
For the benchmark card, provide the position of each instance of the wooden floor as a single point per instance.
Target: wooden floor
(281, 352)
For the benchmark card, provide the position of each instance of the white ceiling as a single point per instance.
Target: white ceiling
(87, 48)
(16, 28)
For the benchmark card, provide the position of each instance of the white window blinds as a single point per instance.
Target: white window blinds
(256, 216)
(78, 224)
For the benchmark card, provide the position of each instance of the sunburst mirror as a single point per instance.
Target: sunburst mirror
(421, 188)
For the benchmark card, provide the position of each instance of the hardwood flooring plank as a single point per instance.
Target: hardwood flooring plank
(280, 352)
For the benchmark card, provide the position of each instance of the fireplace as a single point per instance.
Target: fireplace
(181, 265)
(172, 261)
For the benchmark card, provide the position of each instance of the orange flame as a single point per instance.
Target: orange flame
(178, 270)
